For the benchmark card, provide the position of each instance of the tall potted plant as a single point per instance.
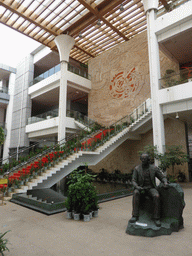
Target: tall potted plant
(82, 196)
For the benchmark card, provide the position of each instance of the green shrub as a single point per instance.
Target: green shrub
(82, 195)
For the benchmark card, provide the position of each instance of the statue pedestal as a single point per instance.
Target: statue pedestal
(172, 205)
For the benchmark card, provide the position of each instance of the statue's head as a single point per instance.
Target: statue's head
(145, 158)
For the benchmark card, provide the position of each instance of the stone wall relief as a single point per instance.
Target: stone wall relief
(125, 83)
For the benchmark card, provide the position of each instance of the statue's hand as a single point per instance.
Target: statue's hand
(165, 185)
(139, 188)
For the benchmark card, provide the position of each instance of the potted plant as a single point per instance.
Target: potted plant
(69, 206)
(82, 197)
(172, 157)
(103, 175)
(26, 179)
(181, 177)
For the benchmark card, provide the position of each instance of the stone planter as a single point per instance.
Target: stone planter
(91, 215)
(95, 213)
(69, 215)
(86, 217)
(76, 216)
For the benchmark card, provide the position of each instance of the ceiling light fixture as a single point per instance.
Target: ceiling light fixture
(80, 35)
(177, 116)
(99, 22)
(122, 8)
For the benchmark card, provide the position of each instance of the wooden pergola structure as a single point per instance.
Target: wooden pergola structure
(96, 25)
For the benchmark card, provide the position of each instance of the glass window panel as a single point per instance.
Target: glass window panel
(57, 68)
(46, 74)
(51, 72)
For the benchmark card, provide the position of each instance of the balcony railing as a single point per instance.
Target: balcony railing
(54, 113)
(140, 110)
(172, 78)
(78, 71)
(50, 72)
(47, 115)
(80, 117)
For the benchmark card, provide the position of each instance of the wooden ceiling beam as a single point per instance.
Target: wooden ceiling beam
(89, 18)
(100, 14)
(32, 21)
(7, 6)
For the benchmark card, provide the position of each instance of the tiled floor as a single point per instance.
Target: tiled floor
(35, 234)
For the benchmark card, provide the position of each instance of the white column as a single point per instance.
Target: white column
(154, 67)
(64, 44)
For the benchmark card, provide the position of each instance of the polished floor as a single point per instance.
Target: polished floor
(35, 234)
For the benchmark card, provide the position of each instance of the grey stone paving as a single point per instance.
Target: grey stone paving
(33, 233)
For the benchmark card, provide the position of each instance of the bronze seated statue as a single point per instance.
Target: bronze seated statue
(154, 203)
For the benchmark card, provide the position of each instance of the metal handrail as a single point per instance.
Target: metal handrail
(44, 152)
(65, 140)
(15, 154)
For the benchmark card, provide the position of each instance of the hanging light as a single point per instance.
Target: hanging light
(99, 22)
(122, 8)
(80, 35)
(177, 116)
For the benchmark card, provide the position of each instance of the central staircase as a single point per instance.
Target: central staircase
(140, 123)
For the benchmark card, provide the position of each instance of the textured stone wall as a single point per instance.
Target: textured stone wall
(126, 156)
(120, 83)
(120, 80)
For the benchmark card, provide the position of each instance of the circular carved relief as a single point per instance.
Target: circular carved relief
(124, 84)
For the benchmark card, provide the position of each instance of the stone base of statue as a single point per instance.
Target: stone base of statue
(172, 205)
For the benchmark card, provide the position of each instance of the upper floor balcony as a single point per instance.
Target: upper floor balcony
(171, 78)
(47, 123)
(50, 80)
(54, 70)
(175, 93)
(174, 31)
